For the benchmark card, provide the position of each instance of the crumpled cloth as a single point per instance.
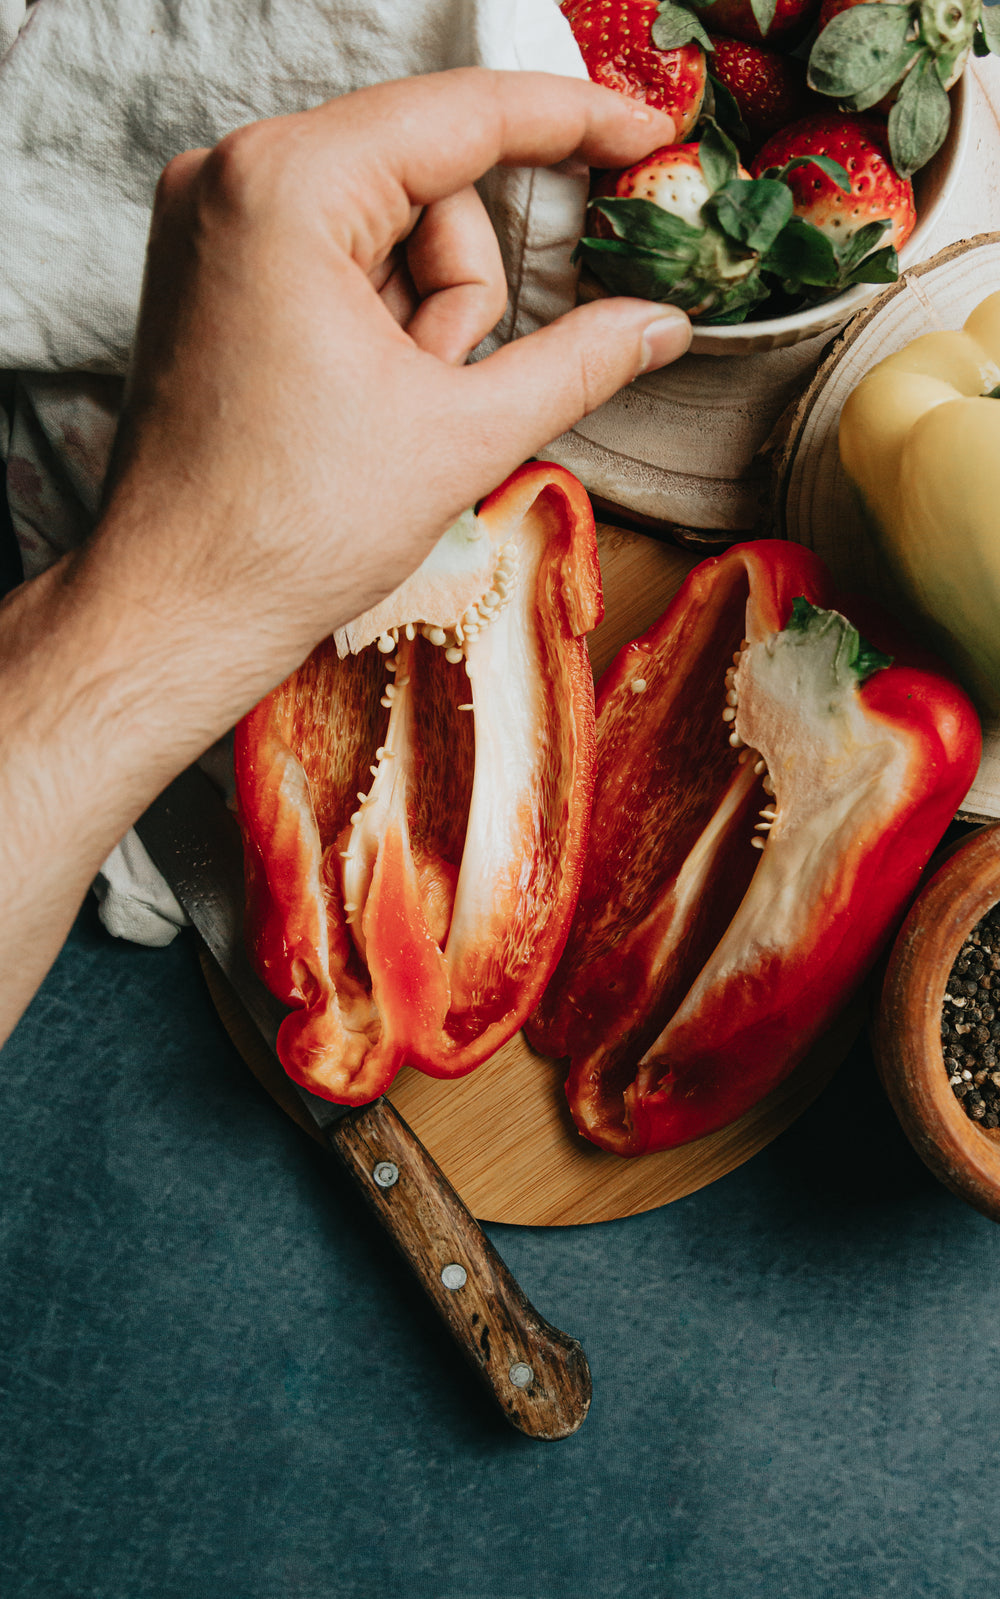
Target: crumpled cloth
(95, 98)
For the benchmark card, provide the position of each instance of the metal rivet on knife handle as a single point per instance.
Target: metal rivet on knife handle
(454, 1276)
(521, 1375)
(385, 1174)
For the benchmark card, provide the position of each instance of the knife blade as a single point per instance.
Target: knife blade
(537, 1374)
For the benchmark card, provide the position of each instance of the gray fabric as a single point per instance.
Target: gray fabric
(12, 15)
(96, 97)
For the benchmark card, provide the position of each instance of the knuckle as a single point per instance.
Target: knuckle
(246, 164)
(232, 165)
(589, 375)
(174, 178)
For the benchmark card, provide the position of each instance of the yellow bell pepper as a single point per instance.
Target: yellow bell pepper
(920, 442)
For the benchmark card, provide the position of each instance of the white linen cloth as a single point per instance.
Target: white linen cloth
(95, 98)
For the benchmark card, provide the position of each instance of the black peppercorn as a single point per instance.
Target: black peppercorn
(970, 1024)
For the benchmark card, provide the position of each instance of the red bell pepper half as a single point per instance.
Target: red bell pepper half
(700, 969)
(415, 798)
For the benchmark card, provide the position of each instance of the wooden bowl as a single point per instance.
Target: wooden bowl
(932, 186)
(962, 1155)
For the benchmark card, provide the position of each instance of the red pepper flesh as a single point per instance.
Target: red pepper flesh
(414, 919)
(699, 970)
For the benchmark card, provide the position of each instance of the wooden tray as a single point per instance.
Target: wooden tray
(503, 1135)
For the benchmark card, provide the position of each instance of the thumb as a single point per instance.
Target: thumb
(527, 393)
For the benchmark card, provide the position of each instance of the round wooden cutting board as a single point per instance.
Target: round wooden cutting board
(503, 1135)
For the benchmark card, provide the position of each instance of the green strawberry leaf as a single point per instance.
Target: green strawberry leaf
(801, 256)
(676, 26)
(992, 394)
(717, 157)
(833, 169)
(989, 23)
(804, 259)
(880, 267)
(763, 11)
(646, 226)
(918, 122)
(751, 211)
(862, 53)
(861, 244)
(625, 269)
(722, 108)
(737, 302)
(894, 73)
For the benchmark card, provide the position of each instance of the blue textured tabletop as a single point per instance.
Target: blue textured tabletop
(217, 1382)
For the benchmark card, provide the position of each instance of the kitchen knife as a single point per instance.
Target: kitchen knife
(538, 1375)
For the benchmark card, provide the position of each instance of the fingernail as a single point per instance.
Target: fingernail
(665, 339)
(641, 112)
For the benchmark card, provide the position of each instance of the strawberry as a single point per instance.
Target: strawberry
(769, 89)
(689, 226)
(651, 238)
(755, 20)
(616, 41)
(860, 146)
(901, 54)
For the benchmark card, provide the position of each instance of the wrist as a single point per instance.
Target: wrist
(94, 720)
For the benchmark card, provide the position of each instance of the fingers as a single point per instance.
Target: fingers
(444, 130)
(358, 169)
(396, 290)
(526, 394)
(454, 261)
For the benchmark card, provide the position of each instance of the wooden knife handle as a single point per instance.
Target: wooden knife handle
(538, 1375)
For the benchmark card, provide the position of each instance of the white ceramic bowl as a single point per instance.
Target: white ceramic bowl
(932, 186)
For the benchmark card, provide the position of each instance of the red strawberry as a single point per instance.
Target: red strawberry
(700, 270)
(615, 40)
(688, 225)
(860, 145)
(832, 8)
(738, 18)
(672, 177)
(770, 90)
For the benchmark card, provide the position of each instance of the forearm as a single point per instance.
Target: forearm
(100, 706)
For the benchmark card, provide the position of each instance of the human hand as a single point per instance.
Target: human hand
(298, 432)
(299, 428)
